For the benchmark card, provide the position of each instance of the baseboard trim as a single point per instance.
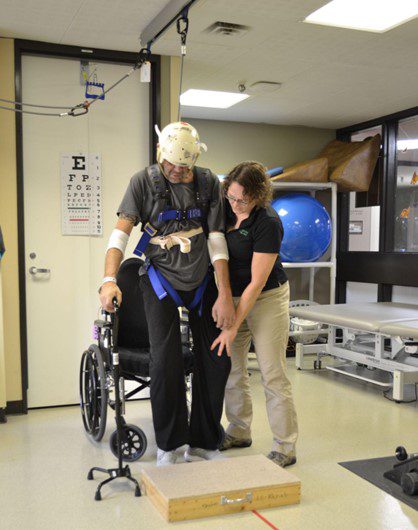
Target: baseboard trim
(15, 407)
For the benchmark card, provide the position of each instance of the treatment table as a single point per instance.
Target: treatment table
(379, 339)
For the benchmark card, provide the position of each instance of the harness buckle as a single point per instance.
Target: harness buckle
(150, 230)
(182, 215)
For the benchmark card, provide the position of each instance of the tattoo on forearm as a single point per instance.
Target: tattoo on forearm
(129, 217)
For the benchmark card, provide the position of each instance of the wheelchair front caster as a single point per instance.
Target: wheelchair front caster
(401, 453)
(133, 443)
(409, 483)
(317, 365)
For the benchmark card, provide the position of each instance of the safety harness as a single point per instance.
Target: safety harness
(161, 213)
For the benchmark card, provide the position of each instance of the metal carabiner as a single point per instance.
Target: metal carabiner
(183, 32)
(78, 110)
(144, 54)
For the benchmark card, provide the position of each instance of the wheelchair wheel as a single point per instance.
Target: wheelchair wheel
(93, 393)
(134, 443)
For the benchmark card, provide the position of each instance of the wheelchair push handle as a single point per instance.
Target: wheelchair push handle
(115, 304)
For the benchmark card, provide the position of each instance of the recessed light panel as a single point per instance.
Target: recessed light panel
(210, 98)
(367, 15)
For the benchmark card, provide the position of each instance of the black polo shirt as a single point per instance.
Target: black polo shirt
(262, 232)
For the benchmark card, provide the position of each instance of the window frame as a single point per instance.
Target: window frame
(386, 267)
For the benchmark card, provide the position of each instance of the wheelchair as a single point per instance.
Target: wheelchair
(127, 330)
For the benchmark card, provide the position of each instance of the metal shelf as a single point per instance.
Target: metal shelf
(304, 186)
(307, 264)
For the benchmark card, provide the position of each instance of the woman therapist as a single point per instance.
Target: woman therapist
(261, 296)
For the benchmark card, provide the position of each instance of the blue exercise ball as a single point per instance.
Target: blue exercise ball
(307, 227)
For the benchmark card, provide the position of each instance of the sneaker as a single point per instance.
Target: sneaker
(194, 454)
(231, 441)
(166, 458)
(281, 459)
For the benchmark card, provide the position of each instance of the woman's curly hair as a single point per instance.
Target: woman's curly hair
(253, 178)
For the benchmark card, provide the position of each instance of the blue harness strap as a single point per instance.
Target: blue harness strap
(180, 215)
(156, 283)
(198, 297)
(162, 287)
(148, 232)
(167, 215)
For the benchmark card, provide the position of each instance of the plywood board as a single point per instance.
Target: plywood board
(230, 485)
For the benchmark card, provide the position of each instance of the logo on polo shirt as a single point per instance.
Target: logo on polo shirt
(244, 232)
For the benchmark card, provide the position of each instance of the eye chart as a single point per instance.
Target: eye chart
(81, 194)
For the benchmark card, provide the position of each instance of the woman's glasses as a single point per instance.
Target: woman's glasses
(240, 202)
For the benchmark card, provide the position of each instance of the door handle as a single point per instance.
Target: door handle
(35, 270)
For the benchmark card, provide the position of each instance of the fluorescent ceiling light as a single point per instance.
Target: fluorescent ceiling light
(404, 145)
(210, 98)
(367, 15)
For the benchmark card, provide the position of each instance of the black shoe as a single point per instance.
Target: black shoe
(231, 442)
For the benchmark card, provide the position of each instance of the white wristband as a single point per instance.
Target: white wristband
(109, 279)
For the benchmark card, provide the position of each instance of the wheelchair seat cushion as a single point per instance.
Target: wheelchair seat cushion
(135, 361)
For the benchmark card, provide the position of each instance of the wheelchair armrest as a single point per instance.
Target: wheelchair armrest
(102, 324)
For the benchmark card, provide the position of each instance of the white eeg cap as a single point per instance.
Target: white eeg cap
(179, 144)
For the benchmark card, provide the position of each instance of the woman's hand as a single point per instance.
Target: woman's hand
(225, 340)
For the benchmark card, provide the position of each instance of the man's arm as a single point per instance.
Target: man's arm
(109, 290)
(223, 311)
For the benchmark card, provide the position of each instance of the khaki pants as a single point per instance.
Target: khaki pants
(267, 324)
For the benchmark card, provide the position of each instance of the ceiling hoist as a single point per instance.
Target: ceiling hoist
(96, 91)
(183, 37)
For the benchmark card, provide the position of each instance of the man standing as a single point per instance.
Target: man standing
(180, 207)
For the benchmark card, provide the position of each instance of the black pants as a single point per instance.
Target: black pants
(210, 373)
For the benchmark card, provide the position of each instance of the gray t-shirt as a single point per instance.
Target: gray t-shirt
(185, 272)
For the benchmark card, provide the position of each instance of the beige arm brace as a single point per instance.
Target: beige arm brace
(217, 246)
(118, 239)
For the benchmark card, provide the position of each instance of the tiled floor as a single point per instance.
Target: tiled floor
(45, 456)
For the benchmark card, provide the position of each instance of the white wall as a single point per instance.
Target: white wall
(273, 145)
(406, 295)
(361, 292)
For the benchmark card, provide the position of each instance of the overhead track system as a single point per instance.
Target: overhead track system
(165, 18)
(176, 10)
